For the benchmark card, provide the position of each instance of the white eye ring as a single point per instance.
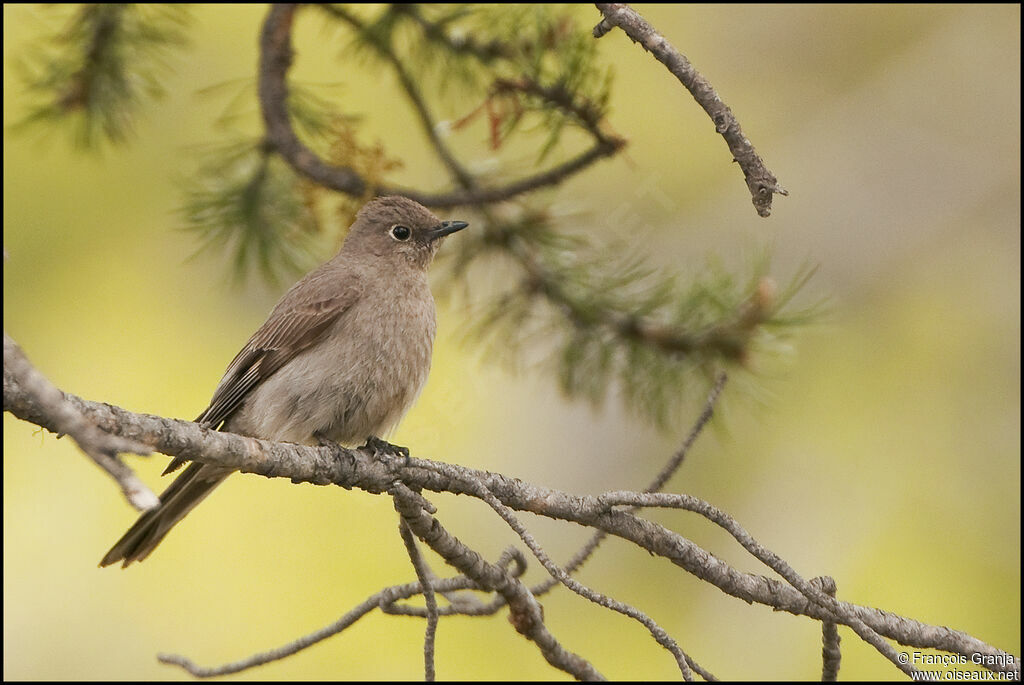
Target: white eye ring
(400, 232)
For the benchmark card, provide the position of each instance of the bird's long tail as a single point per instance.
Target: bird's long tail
(189, 489)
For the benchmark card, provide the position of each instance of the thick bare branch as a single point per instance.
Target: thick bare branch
(362, 469)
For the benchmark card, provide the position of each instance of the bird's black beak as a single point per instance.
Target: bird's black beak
(446, 228)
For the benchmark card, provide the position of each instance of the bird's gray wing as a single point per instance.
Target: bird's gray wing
(299, 320)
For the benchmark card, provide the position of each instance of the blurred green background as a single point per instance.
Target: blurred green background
(885, 453)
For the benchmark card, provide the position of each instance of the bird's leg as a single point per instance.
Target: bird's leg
(382, 449)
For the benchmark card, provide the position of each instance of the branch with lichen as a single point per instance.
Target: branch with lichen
(613, 513)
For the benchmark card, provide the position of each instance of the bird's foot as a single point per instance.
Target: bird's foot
(384, 451)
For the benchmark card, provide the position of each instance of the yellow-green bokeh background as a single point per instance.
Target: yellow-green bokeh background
(886, 453)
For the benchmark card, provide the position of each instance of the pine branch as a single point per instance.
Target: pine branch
(276, 54)
(607, 321)
(101, 69)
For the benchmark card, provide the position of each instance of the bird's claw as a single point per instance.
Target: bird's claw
(383, 450)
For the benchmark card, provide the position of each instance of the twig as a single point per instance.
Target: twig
(545, 179)
(423, 576)
(761, 182)
(99, 446)
(462, 605)
(412, 91)
(377, 600)
(729, 339)
(831, 656)
(584, 112)
(485, 52)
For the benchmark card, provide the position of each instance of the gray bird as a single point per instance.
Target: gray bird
(342, 356)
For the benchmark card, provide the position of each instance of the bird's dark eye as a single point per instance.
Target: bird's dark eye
(400, 232)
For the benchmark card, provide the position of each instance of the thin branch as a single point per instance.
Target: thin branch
(412, 91)
(545, 179)
(463, 605)
(761, 182)
(99, 446)
(377, 600)
(586, 113)
(384, 600)
(831, 656)
(423, 575)
(673, 464)
(728, 339)
(465, 45)
(676, 460)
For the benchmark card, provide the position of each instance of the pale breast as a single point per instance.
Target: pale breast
(359, 380)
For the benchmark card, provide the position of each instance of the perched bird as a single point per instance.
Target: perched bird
(341, 357)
